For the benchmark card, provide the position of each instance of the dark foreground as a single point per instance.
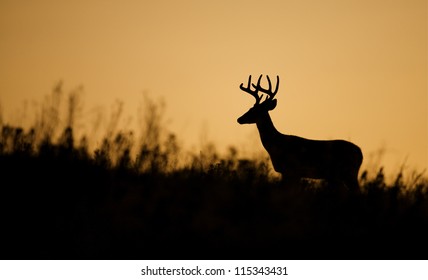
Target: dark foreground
(69, 208)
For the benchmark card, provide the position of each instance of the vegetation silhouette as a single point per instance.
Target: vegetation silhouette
(59, 200)
(296, 157)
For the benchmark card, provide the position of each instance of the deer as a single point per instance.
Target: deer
(297, 158)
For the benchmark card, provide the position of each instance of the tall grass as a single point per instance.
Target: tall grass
(145, 197)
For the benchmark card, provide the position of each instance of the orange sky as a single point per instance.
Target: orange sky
(355, 70)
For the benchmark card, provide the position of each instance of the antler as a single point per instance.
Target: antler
(269, 91)
(252, 92)
(271, 94)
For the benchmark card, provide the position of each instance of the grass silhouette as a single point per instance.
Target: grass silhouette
(59, 200)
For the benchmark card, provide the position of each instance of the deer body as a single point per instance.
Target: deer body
(296, 157)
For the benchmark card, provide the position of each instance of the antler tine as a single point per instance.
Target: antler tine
(258, 83)
(269, 91)
(252, 92)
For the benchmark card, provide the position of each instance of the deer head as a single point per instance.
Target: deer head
(259, 108)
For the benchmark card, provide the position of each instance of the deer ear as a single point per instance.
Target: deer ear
(271, 105)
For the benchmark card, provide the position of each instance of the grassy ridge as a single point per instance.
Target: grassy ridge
(59, 200)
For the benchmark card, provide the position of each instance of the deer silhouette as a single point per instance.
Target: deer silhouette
(296, 157)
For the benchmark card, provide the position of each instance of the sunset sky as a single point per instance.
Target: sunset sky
(353, 69)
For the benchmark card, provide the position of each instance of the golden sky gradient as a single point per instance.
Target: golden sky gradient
(353, 69)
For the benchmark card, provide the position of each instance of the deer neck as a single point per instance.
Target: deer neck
(267, 131)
